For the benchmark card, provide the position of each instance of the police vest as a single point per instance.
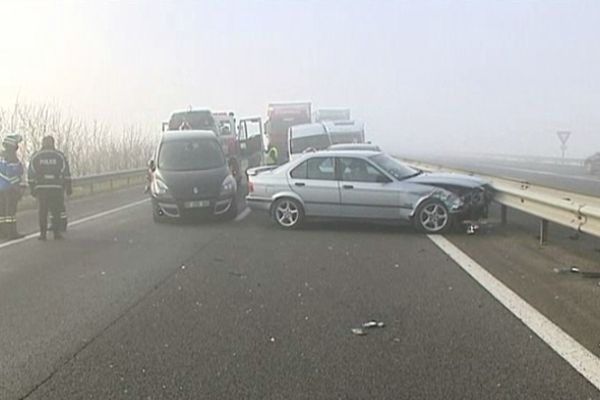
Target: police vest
(49, 169)
(10, 173)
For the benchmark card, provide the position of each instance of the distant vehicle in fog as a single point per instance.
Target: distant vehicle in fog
(241, 141)
(307, 137)
(592, 164)
(331, 114)
(327, 135)
(354, 146)
(190, 177)
(280, 117)
(365, 185)
(345, 131)
(201, 119)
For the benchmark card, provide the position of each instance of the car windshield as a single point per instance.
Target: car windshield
(190, 155)
(394, 167)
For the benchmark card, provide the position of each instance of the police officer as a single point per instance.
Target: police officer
(11, 172)
(49, 178)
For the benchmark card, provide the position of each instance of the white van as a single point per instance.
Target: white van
(307, 137)
(345, 131)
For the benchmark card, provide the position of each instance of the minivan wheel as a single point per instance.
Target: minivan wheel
(288, 213)
(157, 217)
(232, 212)
(432, 216)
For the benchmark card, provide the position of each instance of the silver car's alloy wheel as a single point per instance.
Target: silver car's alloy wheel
(433, 217)
(287, 213)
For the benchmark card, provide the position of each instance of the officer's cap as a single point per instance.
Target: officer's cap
(12, 140)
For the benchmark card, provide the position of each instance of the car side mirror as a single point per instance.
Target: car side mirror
(151, 165)
(382, 179)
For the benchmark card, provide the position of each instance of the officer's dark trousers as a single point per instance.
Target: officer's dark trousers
(8, 213)
(50, 201)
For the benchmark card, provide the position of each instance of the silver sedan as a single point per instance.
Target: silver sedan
(365, 185)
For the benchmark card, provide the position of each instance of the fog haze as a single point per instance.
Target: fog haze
(483, 76)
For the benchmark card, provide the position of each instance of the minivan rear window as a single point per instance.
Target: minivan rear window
(190, 155)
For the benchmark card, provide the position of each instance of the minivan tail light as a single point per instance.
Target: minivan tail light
(250, 186)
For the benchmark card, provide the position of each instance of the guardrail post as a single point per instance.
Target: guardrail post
(503, 214)
(543, 231)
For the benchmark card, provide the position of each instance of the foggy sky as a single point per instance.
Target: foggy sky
(489, 76)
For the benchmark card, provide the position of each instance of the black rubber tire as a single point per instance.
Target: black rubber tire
(293, 204)
(230, 214)
(418, 217)
(158, 219)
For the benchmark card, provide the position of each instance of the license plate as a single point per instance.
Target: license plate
(196, 204)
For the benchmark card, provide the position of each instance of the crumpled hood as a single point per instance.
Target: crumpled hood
(445, 178)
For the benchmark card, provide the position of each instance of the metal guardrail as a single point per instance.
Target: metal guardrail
(573, 210)
(576, 162)
(110, 177)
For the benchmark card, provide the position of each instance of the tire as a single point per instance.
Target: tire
(432, 217)
(287, 213)
(157, 218)
(230, 214)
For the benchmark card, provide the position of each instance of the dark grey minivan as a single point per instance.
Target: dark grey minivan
(190, 177)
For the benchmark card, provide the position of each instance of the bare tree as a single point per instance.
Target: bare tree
(91, 146)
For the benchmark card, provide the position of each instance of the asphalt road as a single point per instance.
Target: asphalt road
(570, 178)
(128, 309)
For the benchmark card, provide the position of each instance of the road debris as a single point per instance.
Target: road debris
(576, 270)
(472, 229)
(359, 332)
(373, 324)
(237, 274)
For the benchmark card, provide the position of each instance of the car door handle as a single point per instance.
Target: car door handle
(348, 186)
(300, 184)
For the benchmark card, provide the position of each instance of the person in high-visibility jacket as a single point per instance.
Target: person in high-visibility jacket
(11, 174)
(49, 178)
(272, 155)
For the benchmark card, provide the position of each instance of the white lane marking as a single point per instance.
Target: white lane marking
(584, 362)
(77, 222)
(245, 212)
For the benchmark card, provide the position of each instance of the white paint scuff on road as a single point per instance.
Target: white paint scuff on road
(77, 222)
(245, 212)
(584, 362)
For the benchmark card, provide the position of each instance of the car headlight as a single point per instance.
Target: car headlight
(159, 188)
(228, 186)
